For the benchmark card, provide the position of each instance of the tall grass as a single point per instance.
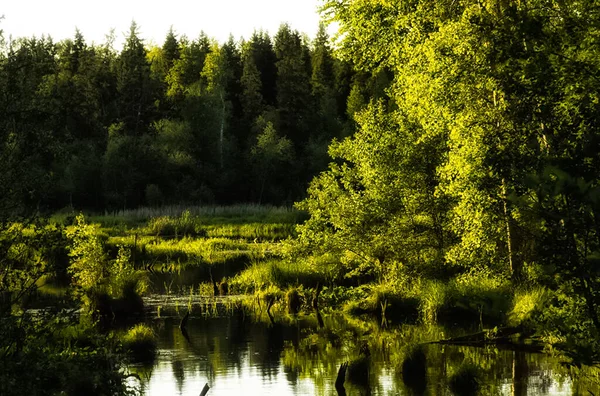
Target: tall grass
(277, 272)
(526, 305)
(266, 213)
(183, 225)
(141, 342)
(252, 231)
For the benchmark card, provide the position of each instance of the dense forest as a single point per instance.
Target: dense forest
(443, 159)
(193, 121)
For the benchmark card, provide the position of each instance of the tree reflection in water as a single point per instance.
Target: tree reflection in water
(238, 354)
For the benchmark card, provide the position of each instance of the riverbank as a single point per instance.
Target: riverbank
(246, 249)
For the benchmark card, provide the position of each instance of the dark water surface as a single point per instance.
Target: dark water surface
(237, 355)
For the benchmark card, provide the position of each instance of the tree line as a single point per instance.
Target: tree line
(191, 121)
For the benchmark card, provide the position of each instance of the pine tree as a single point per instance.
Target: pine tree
(136, 89)
(293, 86)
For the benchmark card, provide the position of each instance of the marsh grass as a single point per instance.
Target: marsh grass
(213, 214)
(384, 301)
(140, 342)
(188, 251)
(183, 225)
(527, 304)
(278, 272)
(252, 231)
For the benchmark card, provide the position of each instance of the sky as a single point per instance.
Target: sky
(217, 18)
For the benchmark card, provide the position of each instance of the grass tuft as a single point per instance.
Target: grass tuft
(141, 342)
(526, 305)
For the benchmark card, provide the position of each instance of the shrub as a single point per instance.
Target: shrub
(140, 342)
(88, 260)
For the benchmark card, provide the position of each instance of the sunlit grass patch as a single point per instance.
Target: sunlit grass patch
(251, 231)
(526, 305)
(279, 272)
(477, 295)
(432, 298)
(241, 213)
(141, 342)
(382, 300)
(174, 227)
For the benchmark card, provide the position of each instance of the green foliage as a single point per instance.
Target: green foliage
(184, 225)
(88, 259)
(141, 342)
(108, 288)
(51, 352)
(125, 280)
(528, 305)
(432, 300)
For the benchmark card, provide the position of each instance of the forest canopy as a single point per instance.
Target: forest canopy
(191, 121)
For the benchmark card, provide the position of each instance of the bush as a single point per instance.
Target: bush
(140, 342)
(184, 225)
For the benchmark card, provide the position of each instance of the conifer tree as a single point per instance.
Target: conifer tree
(135, 87)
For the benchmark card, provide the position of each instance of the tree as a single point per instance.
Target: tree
(251, 98)
(293, 86)
(218, 75)
(135, 87)
(268, 154)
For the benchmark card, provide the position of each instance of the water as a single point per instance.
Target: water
(238, 355)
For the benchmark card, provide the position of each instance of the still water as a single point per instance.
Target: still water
(239, 355)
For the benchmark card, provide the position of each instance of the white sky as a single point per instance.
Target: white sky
(217, 18)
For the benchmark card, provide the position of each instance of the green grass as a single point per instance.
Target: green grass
(252, 231)
(526, 305)
(173, 227)
(278, 272)
(213, 214)
(140, 342)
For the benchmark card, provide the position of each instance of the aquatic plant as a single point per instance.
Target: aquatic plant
(140, 342)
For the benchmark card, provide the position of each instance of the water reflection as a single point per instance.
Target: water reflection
(295, 356)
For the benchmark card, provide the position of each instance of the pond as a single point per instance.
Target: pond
(239, 354)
